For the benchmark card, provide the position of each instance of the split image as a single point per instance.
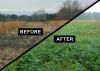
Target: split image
(83, 55)
(32, 14)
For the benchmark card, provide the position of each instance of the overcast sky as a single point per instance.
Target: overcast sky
(34, 4)
(95, 8)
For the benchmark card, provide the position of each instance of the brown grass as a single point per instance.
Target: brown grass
(8, 54)
(10, 25)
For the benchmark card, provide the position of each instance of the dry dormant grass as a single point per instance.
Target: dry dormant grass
(8, 54)
(11, 25)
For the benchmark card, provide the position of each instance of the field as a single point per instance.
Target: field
(12, 45)
(83, 55)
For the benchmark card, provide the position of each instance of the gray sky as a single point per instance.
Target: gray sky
(95, 8)
(34, 5)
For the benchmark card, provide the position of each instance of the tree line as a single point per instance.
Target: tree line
(67, 11)
(33, 17)
(89, 16)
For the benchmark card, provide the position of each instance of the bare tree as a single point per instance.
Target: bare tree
(76, 7)
(69, 9)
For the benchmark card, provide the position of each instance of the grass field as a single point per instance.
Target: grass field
(83, 55)
(12, 45)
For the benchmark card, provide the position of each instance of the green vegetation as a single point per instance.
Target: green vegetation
(83, 55)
